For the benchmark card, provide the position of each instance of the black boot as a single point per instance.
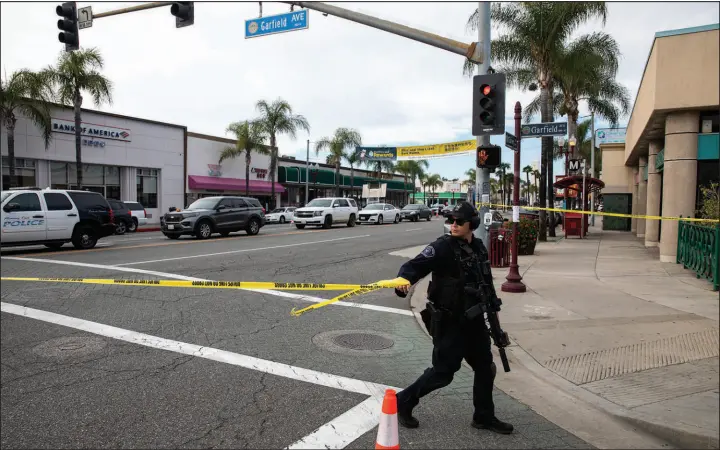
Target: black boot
(493, 424)
(405, 417)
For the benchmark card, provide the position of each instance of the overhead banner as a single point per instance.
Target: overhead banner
(436, 150)
(376, 153)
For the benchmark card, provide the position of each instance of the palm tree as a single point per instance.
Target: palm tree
(78, 72)
(27, 93)
(434, 181)
(404, 169)
(508, 184)
(250, 137)
(584, 143)
(536, 176)
(527, 170)
(529, 53)
(278, 118)
(344, 138)
(470, 174)
(503, 168)
(378, 166)
(417, 169)
(353, 159)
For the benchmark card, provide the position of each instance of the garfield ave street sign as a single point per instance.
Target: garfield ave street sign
(543, 129)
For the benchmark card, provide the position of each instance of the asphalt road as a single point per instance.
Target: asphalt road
(107, 366)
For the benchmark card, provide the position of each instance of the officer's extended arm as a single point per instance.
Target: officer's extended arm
(420, 266)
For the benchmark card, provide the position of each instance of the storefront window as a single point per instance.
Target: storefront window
(24, 172)
(104, 180)
(147, 187)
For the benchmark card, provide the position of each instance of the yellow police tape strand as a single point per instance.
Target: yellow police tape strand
(355, 289)
(597, 213)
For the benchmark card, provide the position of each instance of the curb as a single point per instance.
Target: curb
(647, 426)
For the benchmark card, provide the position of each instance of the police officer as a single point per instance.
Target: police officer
(455, 261)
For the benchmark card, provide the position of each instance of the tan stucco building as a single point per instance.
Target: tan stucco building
(670, 145)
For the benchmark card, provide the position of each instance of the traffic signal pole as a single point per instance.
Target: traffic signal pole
(482, 176)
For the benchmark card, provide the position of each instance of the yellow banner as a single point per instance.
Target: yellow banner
(436, 150)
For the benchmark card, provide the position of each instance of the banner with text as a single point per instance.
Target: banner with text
(436, 150)
(376, 153)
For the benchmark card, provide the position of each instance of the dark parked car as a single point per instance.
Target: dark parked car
(123, 217)
(414, 213)
(210, 215)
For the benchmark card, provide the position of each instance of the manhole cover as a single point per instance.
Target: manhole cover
(363, 341)
(70, 347)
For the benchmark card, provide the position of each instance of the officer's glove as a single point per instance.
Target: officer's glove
(401, 285)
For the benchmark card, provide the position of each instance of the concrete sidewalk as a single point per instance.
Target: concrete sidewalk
(611, 344)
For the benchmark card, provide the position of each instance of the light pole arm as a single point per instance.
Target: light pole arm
(470, 51)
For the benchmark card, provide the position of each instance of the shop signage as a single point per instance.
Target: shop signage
(93, 143)
(260, 173)
(214, 170)
(91, 130)
(610, 136)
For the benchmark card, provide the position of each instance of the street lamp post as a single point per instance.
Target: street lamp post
(514, 279)
(561, 144)
(572, 143)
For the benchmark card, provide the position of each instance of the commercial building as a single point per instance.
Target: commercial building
(123, 158)
(206, 176)
(321, 182)
(670, 148)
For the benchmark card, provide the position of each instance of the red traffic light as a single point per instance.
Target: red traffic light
(486, 89)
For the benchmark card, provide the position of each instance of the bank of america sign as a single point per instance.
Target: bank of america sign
(91, 130)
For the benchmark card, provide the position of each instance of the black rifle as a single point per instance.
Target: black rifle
(489, 304)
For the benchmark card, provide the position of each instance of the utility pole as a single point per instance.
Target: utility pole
(482, 176)
(592, 163)
(307, 170)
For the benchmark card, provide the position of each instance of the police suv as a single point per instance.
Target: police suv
(53, 217)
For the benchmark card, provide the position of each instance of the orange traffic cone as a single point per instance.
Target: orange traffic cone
(388, 430)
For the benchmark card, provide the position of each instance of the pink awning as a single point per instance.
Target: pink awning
(232, 184)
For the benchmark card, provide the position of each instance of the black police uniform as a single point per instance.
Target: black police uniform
(454, 263)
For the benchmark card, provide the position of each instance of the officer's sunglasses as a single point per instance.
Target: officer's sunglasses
(460, 222)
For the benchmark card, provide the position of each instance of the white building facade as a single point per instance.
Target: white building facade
(123, 158)
(206, 176)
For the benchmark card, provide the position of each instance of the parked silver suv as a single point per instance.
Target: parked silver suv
(210, 215)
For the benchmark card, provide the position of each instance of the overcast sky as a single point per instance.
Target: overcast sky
(394, 91)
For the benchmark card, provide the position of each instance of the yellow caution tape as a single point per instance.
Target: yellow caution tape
(212, 284)
(355, 289)
(597, 213)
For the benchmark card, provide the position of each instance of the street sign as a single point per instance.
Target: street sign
(510, 141)
(574, 165)
(85, 17)
(543, 129)
(280, 23)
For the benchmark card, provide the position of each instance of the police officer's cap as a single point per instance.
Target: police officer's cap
(466, 211)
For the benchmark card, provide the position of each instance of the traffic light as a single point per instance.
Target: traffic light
(488, 156)
(70, 35)
(488, 104)
(184, 13)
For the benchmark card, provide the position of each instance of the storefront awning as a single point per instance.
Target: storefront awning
(232, 184)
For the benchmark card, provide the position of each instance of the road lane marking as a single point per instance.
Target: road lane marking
(165, 244)
(346, 428)
(337, 433)
(245, 250)
(289, 295)
(413, 229)
(200, 351)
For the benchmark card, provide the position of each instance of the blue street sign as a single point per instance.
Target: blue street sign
(280, 23)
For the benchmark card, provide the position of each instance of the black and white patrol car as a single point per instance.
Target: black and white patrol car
(53, 217)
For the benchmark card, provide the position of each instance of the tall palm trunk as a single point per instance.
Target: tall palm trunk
(527, 178)
(273, 167)
(352, 181)
(78, 130)
(337, 178)
(10, 125)
(248, 160)
(546, 143)
(550, 166)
